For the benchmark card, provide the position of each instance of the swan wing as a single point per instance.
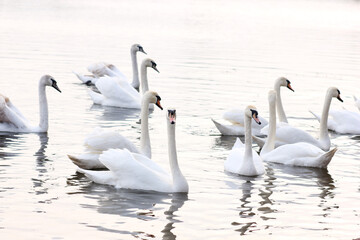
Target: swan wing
(113, 91)
(300, 154)
(9, 116)
(101, 140)
(344, 121)
(134, 174)
(289, 134)
(87, 79)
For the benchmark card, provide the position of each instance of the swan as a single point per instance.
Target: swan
(342, 121)
(296, 154)
(118, 93)
(135, 171)
(357, 102)
(243, 159)
(102, 69)
(286, 133)
(12, 120)
(100, 140)
(236, 116)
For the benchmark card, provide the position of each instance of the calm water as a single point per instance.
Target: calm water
(212, 55)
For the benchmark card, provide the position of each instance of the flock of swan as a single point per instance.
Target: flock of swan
(112, 159)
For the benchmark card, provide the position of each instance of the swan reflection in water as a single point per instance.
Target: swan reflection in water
(252, 213)
(107, 113)
(138, 204)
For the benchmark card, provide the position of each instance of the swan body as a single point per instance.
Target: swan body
(102, 69)
(134, 171)
(100, 140)
(119, 93)
(242, 159)
(297, 154)
(236, 116)
(12, 120)
(287, 134)
(342, 121)
(357, 102)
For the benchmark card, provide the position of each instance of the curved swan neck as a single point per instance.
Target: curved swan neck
(270, 141)
(279, 106)
(135, 83)
(144, 78)
(324, 133)
(43, 105)
(179, 182)
(248, 145)
(145, 145)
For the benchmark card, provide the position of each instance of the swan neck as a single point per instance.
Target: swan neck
(248, 138)
(144, 78)
(135, 83)
(270, 141)
(324, 133)
(280, 109)
(179, 182)
(43, 105)
(145, 146)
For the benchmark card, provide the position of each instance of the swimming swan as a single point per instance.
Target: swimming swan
(105, 69)
(236, 116)
(134, 171)
(286, 133)
(100, 140)
(118, 93)
(243, 159)
(12, 120)
(297, 154)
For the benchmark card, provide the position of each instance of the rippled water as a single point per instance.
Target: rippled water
(212, 55)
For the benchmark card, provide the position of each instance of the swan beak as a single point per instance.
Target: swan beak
(54, 85)
(289, 87)
(142, 50)
(172, 116)
(156, 69)
(339, 98)
(158, 104)
(255, 117)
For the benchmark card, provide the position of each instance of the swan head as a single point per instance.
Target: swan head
(335, 93)
(137, 48)
(251, 112)
(48, 80)
(150, 63)
(171, 116)
(153, 97)
(284, 82)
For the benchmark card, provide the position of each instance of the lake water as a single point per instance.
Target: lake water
(212, 56)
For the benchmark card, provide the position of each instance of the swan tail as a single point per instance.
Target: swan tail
(223, 129)
(238, 143)
(326, 158)
(87, 161)
(101, 177)
(317, 116)
(96, 97)
(259, 141)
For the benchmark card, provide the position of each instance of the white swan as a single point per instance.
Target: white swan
(105, 69)
(357, 102)
(12, 120)
(286, 134)
(134, 171)
(342, 121)
(236, 116)
(118, 93)
(243, 159)
(100, 140)
(297, 154)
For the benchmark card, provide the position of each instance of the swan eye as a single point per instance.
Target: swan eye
(158, 98)
(153, 64)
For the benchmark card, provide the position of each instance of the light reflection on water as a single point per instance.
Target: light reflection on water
(213, 56)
